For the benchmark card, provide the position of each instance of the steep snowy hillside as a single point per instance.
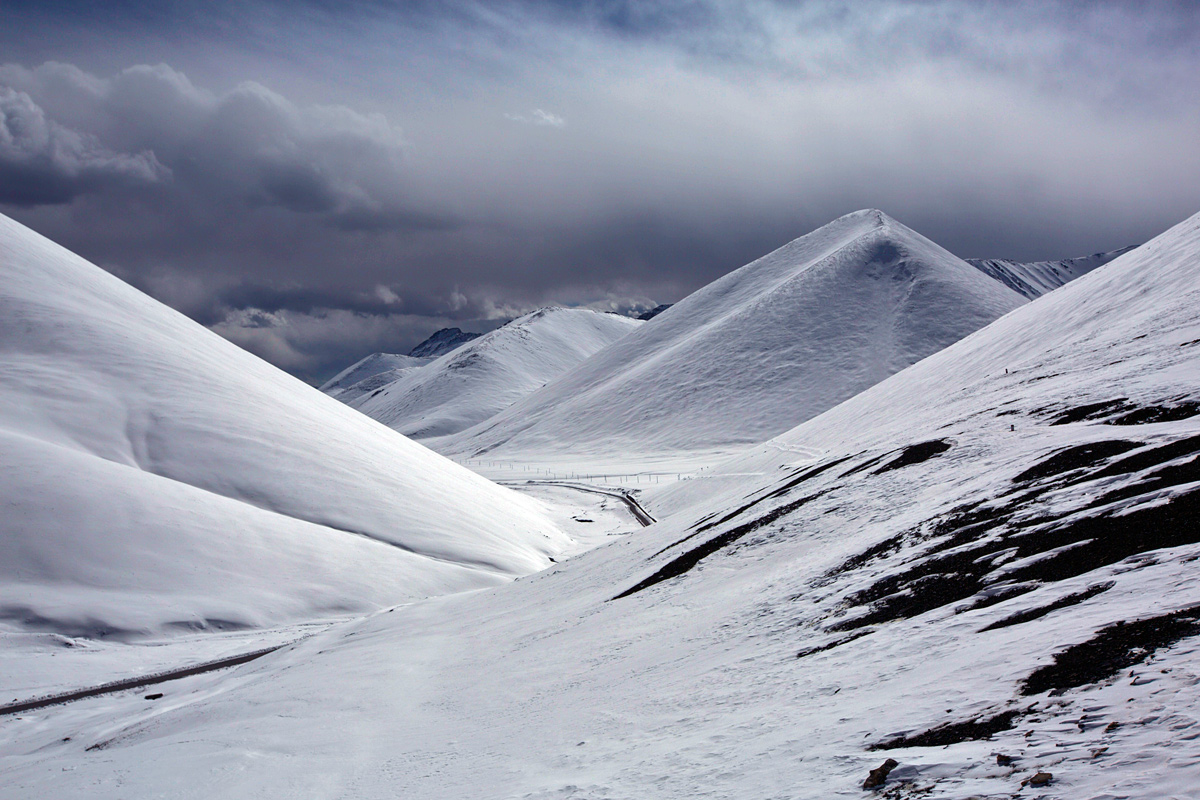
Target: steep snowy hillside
(760, 350)
(983, 568)
(371, 373)
(1034, 279)
(441, 342)
(476, 380)
(153, 473)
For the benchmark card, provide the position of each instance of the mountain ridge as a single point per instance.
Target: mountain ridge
(761, 348)
(476, 380)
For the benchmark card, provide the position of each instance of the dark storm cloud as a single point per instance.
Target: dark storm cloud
(601, 152)
(217, 305)
(248, 148)
(44, 162)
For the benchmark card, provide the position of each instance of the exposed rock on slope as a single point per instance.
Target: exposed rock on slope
(441, 342)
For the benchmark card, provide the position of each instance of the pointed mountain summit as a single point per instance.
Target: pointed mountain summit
(482, 377)
(761, 349)
(152, 473)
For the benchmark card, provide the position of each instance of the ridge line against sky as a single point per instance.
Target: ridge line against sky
(317, 181)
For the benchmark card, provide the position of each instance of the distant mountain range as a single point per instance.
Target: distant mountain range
(1034, 279)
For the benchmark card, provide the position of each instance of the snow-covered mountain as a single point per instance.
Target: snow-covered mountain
(476, 380)
(441, 342)
(153, 473)
(373, 372)
(761, 349)
(983, 567)
(1035, 278)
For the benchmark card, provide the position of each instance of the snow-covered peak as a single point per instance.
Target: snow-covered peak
(760, 349)
(476, 380)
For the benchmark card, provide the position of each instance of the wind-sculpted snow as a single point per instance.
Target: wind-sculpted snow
(760, 350)
(154, 473)
(476, 380)
(957, 566)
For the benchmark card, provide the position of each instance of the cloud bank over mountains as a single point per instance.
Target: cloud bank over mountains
(277, 170)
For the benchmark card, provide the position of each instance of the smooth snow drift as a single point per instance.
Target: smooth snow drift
(760, 350)
(942, 559)
(476, 380)
(153, 473)
(1035, 278)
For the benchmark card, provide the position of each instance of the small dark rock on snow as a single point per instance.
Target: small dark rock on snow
(880, 773)
(1039, 779)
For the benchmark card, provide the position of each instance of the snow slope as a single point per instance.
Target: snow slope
(476, 380)
(153, 473)
(761, 349)
(845, 587)
(1035, 278)
(373, 372)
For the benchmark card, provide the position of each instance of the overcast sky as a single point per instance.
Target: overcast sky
(320, 180)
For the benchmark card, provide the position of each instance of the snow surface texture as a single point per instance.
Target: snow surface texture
(441, 342)
(152, 474)
(373, 372)
(759, 350)
(804, 611)
(478, 379)
(1034, 279)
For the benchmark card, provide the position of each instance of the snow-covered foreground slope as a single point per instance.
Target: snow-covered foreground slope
(373, 372)
(945, 557)
(476, 380)
(1035, 278)
(760, 350)
(153, 473)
